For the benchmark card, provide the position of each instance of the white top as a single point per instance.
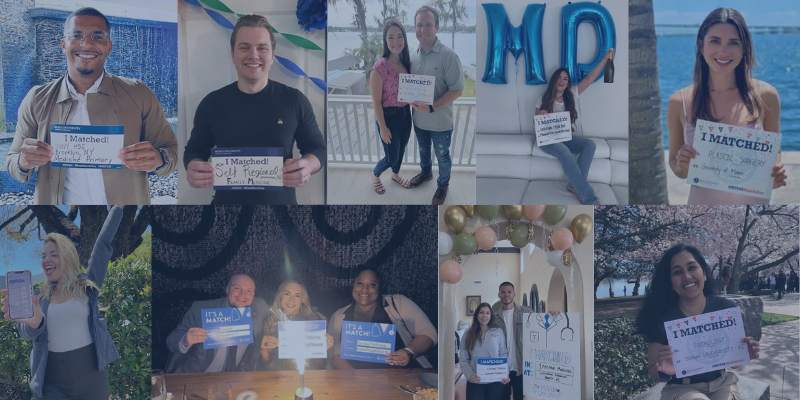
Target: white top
(69, 326)
(508, 317)
(84, 185)
(559, 107)
(771, 280)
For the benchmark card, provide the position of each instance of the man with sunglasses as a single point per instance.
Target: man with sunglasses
(87, 95)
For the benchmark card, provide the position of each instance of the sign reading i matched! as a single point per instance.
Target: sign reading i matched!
(416, 88)
(707, 342)
(87, 146)
(734, 159)
(227, 326)
(553, 128)
(492, 369)
(302, 339)
(367, 341)
(249, 168)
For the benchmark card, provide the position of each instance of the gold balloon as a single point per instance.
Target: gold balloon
(513, 212)
(455, 219)
(581, 227)
(469, 210)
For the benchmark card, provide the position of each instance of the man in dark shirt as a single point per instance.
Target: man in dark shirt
(255, 112)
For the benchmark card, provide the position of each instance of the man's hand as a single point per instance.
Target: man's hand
(34, 153)
(296, 172)
(200, 174)
(194, 336)
(141, 157)
(421, 107)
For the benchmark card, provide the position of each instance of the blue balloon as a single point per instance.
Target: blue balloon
(505, 37)
(572, 15)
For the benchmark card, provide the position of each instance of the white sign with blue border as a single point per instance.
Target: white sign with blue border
(492, 369)
(302, 339)
(87, 146)
(227, 326)
(367, 341)
(249, 168)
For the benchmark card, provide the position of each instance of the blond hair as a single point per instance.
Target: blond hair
(305, 303)
(71, 284)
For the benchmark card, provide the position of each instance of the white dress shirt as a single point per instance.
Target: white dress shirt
(84, 185)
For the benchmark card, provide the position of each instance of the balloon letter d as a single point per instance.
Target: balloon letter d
(572, 15)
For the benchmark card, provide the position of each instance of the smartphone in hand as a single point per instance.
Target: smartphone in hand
(20, 294)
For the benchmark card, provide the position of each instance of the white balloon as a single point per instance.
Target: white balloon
(445, 244)
(554, 258)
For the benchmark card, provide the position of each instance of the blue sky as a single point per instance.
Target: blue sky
(24, 255)
(764, 13)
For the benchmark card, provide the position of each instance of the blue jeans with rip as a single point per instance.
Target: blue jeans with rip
(576, 172)
(398, 120)
(441, 144)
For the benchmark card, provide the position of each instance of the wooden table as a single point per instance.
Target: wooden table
(326, 384)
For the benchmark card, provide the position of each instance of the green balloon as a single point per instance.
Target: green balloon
(555, 213)
(519, 236)
(489, 212)
(465, 243)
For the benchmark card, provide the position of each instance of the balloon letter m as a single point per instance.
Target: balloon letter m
(504, 37)
(572, 15)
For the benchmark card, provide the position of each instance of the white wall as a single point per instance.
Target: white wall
(152, 10)
(604, 107)
(204, 62)
(535, 270)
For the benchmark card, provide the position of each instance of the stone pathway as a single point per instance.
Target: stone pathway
(778, 360)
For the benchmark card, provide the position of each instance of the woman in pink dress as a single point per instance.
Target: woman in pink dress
(723, 91)
(392, 117)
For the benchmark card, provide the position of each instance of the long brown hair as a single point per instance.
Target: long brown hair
(305, 313)
(473, 334)
(701, 102)
(405, 58)
(550, 95)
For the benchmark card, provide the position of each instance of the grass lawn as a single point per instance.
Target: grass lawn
(771, 319)
(469, 88)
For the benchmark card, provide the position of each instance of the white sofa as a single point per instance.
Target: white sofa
(511, 169)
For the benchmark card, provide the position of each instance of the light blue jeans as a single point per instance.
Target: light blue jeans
(576, 172)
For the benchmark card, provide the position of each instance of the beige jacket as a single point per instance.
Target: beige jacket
(118, 101)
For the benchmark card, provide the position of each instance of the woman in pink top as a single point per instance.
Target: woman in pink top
(392, 117)
(723, 91)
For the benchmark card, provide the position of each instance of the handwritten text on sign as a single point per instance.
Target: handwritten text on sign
(492, 369)
(302, 339)
(552, 128)
(707, 342)
(416, 88)
(251, 168)
(87, 146)
(227, 326)
(367, 341)
(734, 159)
(551, 356)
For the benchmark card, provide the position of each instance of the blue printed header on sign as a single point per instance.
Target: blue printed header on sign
(89, 129)
(367, 341)
(227, 326)
(247, 151)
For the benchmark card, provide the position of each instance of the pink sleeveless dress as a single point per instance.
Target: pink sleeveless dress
(701, 195)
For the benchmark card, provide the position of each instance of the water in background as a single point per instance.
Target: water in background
(465, 44)
(777, 63)
(618, 284)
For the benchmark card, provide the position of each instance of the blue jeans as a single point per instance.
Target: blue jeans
(441, 143)
(576, 172)
(398, 120)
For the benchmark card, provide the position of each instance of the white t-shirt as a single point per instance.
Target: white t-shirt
(508, 316)
(559, 107)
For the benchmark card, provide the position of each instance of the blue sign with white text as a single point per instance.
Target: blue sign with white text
(367, 341)
(227, 326)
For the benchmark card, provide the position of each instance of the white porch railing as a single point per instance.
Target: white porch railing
(353, 136)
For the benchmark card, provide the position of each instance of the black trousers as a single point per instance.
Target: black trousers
(484, 391)
(516, 384)
(73, 375)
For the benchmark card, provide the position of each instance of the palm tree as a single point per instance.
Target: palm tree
(647, 174)
(360, 22)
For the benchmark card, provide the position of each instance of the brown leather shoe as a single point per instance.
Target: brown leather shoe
(439, 196)
(419, 180)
